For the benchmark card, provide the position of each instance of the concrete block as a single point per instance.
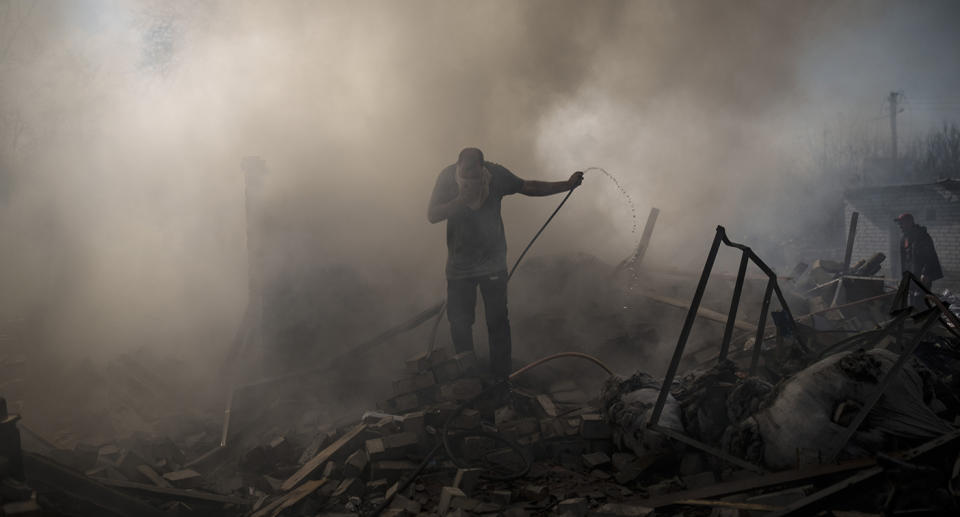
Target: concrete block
(448, 495)
(413, 422)
(595, 459)
(467, 419)
(187, 478)
(460, 390)
(415, 382)
(409, 506)
(466, 480)
(594, 427)
(391, 470)
(355, 464)
(547, 406)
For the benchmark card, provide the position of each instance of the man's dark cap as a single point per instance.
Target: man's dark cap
(906, 216)
(470, 157)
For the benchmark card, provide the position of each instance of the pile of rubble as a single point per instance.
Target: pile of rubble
(806, 416)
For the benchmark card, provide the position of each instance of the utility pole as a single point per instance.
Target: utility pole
(892, 99)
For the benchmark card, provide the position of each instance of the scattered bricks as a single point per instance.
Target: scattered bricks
(621, 510)
(187, 478)
(571, 426)
(467, 419)
(699, 480)
(535, 492)
(400, 441)
(152, 475)
(503, 415)
(593, 427)
(466, 480)
(355, 464)
(390, 447)
(377, 487)
(547, 406)
(330, 471)
(501, 497)
(350, 487)
(595, 459)
(521, 427)
(549, 428)
(391, 470)
(375, 448)
(576, 507)
(466, 504)
(437, 415)
(127, 463)
(415, 382)
(448, 495)
(413, 422)
(400, 502)
(570, 397)
(401, 403)
(461, 389)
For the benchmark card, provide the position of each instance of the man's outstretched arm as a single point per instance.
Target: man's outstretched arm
(548, 188)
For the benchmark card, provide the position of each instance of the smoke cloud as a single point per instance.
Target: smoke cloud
(123, 126)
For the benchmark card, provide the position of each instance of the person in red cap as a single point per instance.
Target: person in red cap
(467, 195)
(918, 255)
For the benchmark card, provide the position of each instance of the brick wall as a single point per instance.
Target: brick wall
(936, 206)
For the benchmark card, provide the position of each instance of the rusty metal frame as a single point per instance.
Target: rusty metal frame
(772, 288)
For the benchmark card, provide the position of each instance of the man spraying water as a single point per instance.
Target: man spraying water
(467, 195)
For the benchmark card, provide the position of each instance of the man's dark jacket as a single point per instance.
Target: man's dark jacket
(917, 254)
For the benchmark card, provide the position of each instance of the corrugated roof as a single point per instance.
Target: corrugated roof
(950, 185)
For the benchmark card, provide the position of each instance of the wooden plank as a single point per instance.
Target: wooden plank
(729, 504)
(153, 476)
(321, 457)
(743, 485)
(297, 495)
(91, 497)
(176, 493)
(701, 311)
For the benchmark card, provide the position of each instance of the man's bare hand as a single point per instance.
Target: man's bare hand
(575, 179)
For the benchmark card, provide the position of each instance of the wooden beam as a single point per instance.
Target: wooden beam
(321, 458)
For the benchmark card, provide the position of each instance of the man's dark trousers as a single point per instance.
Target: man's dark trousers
(461, 308)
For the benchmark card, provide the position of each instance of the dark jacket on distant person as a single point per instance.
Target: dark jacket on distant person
(917, 254)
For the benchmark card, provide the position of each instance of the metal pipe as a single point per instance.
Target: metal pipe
(734, 305)
(758, 342)
(687, 326)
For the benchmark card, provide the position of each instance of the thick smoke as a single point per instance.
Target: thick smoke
(124, 124)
